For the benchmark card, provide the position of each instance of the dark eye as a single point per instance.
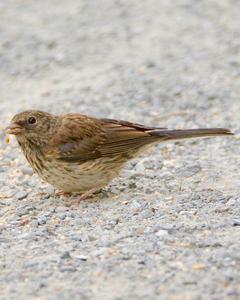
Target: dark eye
(32, 120)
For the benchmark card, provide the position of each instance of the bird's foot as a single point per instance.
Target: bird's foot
(80, 196)
(87, 195)
(62, 193)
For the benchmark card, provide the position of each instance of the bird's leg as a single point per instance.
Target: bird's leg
(62, 193)
(86, 195)
(80, 197)
(65, 194)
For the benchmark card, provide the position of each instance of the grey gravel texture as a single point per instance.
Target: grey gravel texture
(169, 226)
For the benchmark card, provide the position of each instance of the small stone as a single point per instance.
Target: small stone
(42, 285)
(34, 224)
(76, 238)
(25, 236)
(132, 185)
(189, 171)
(177, 90)
(67, 269)
(82, 257)
(182, 197)
(49, 190)
(146, 214)
(236, 222)
(199, 266)
(231, 202)
(62, 216)
(42, 221)
(150, 64)
(148, 191)
(161, 233)
(209, 243)
(167, 226)
(99, 252)
(65, 255)
(59, 57)
(221, 208)
(21, 195)
(84, 237)
(14, 222)
(138, 204)
(61, 209)
(139, 167)
(92, 238)
(165, 175)
(26, 170)
(25, 210)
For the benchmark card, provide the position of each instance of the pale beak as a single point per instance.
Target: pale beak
(15, 129)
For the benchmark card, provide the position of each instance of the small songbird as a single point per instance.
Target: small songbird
(78, 153)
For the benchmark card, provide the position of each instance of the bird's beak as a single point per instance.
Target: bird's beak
(15, 129)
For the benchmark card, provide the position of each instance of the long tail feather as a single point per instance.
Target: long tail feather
(177, 134)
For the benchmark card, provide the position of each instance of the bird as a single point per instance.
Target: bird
(81, 154)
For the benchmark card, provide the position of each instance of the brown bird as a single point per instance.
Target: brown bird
(78, 153)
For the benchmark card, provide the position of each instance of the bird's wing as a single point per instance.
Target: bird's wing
(82, 138)
(122, 137)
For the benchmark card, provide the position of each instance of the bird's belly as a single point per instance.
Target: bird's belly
(74, 177)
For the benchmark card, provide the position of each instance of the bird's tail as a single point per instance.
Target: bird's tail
(177, 134)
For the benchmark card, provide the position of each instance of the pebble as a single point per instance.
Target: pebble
(25, 210)
(167, 226)
(190, 170)
(61, 209)
(65, 255)
(161, 233)
(42, 221)
(82, 257)
(62, 216)
(99, 252)
(236, 222)
(231, 202)
(26, 170)
(21, 195)
(67, 269)
(183, 197)
(77, 238)
(49, 190)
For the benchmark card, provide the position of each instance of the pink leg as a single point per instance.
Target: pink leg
(62, 193)
(86, 195)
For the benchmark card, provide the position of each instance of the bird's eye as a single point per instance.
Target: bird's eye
(32, 120)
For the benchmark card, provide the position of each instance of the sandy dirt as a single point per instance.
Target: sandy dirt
(168, 227)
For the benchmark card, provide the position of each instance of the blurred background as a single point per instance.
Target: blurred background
(126, 59)
(168, 228)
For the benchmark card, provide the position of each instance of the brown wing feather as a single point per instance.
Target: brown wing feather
(77, 139)
(82, 138)
(127, 124)
(124, 137)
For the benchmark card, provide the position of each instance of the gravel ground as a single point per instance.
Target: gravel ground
(168, 227)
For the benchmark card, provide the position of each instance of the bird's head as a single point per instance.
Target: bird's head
(34, 126)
